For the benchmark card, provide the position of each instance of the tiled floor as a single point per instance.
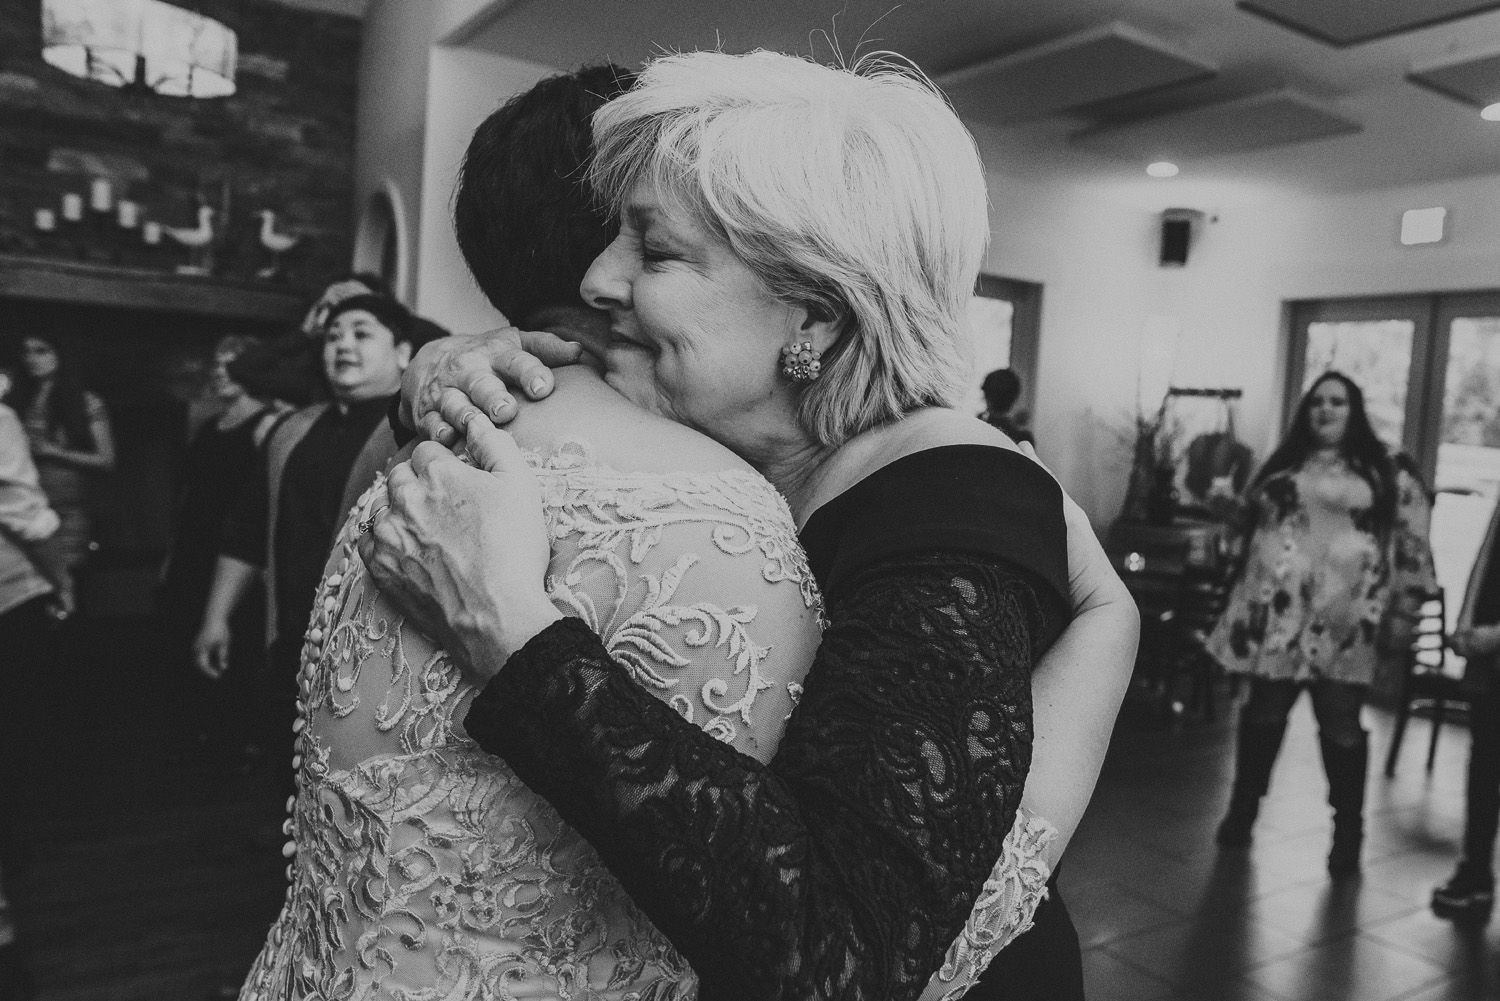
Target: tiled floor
(145, 886)
(1163, 913)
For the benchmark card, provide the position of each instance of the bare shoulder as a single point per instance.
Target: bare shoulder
(582, 408)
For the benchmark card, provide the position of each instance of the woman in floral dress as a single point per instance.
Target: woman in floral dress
(1339, 530)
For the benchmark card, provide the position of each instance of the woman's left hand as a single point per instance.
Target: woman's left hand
(462, 550)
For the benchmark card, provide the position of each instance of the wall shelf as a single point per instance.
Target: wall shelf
(87, 284)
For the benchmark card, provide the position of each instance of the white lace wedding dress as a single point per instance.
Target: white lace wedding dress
(424, 870)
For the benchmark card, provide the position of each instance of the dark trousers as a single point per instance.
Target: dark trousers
(1336, 705)
(1044, 964)
(25, 640)
(1484, 781)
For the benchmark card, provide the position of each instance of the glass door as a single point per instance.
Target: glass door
(1382, 344)
(1430, 369)
(1004, 320)
(1467, 460)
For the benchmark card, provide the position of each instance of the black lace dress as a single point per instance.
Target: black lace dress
(846, 866)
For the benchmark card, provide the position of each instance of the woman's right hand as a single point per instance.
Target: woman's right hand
(211, 648)
(453, 376)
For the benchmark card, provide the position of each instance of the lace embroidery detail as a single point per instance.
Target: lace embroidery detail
(423, 867)
(845, 868)
(1003, 912)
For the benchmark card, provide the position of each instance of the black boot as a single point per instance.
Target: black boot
(1255, 756)
(1346, 766)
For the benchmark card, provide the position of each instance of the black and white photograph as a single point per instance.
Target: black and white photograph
(799, 500)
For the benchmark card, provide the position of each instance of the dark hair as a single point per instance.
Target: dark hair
(66, 407)
(369, 279)
(1001, 388)
(1365, 452)
(528, 225)
(391, 314)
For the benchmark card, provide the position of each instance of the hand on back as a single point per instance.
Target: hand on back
(452, 377)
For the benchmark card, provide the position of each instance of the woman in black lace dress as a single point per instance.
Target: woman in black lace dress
(847, 865)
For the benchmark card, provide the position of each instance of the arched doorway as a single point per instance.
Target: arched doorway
(380, 241)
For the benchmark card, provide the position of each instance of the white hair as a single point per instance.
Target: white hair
(857, 193)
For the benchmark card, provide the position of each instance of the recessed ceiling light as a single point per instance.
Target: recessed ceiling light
(1162, 168)
(1490, 113)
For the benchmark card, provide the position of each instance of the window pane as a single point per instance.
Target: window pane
(989, 326)
(1376, 354)
(1468, 469)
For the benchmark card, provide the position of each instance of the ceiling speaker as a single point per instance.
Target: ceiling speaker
(1177, 226)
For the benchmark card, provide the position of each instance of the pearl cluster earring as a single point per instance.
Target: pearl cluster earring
(801, 362)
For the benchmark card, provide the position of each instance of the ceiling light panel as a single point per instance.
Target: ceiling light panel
(1249, 123)
(1094, 65)
(1471, 78)
(1349, 22)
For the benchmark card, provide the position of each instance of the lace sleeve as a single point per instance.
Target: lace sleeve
(847, 866)
(1004, 910)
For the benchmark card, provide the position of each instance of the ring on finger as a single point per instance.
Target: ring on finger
(368, 525)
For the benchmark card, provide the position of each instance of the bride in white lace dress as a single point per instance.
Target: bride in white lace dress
(422, 867)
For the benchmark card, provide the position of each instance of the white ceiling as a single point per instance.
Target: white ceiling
(1410, 134)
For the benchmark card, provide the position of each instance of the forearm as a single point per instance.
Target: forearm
(233, 579)
(846, 867)
(1076, 693)
(83, 460)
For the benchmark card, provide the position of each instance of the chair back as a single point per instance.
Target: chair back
(1427, 653)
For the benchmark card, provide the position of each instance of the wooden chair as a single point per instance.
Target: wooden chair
(1180, 581)
(1424, 680)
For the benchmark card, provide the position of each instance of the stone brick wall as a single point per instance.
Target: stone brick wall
(284, 142)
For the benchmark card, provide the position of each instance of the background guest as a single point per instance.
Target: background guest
(220, 462)
(71, 441)
(1470, 894)
(1335, 524)
(316, 461)
(1002, 388)
(290, 367)
(25, 522)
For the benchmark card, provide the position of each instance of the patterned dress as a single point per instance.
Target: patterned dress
(1320, 577)
(424, 869)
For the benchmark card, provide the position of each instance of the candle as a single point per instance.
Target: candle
(128, 213)
(46, 220)
(99, 195)
(151, 232)
(72, 206)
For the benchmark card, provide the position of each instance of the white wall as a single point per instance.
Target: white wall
(465, 85)
(1094, 249)
(392, 112)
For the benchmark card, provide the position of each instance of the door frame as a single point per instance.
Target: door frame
(1431, 315)
(1025, 329)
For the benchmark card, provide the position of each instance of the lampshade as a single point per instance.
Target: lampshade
(140, 43)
